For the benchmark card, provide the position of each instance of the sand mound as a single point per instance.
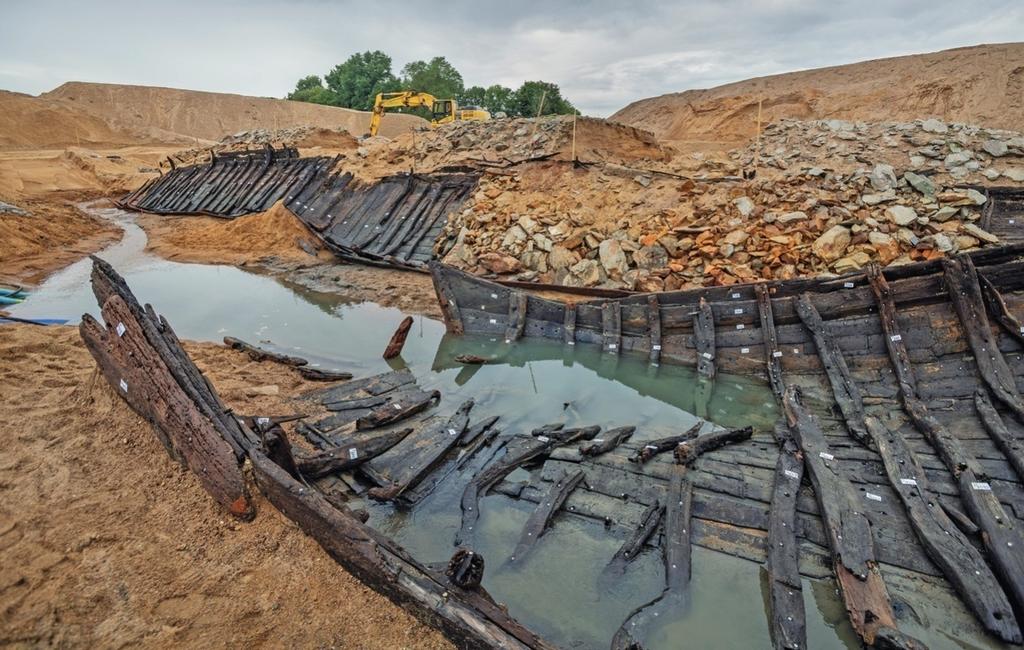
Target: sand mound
(138, 554)
(168, 113)
(32, 122)
(53, 235)
(979, 85)
(276, 233)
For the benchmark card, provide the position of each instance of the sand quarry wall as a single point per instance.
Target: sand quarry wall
(168, 112)
(978, 85)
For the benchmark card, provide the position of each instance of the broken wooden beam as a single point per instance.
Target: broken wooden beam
(407, 463)
(704, 339)
(318, 374)
(943, 541)
(259, 354)
(540, 519)
(397, 341)
(787, 618)
(518, 301)
(998, 309)
(635, 542)
(610, 440)
(466, 616)
(396, 410)
(846, 525)
(772, 353)
(652, 448)
(689, 450)
(353, 454)
(465, 569)
(1011, 446)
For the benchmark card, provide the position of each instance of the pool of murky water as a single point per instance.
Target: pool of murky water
(529, 383)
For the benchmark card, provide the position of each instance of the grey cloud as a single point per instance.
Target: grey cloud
(603, 54)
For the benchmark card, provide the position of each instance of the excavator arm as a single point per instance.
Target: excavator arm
(411, 99)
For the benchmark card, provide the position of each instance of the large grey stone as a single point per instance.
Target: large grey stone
(922, 184)
(882, 177)
(613, 258)
(995, 148)
(900, 215)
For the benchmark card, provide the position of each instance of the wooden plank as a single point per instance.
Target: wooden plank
(569, 323)
(397, 341)
(689, 450)
(467, 617)
(848, 530)
(998, 309)
(787, 619)
(517, 304)
(540, 519)
(946, 545)
(398, 409)
(405, 464)
(626, 553)
(652, 448)
(611, 325)
(654, 328)
(704, 340)
(1011, 446)
(965, 294)
(676, 556)
(610, 440)
(772, 352)
(347, 456)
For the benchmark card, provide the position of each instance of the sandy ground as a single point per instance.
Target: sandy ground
(105, 542)
(976, 85)
(53, 236)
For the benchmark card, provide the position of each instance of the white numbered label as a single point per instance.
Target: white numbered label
(848, 285)
(451, 432)
(744, 350)
(826, 455)
(740, 326)
(124, 385)
(791, 474)
(984, 487)
(873, 497)
(656, 348)
(777, 354)
(896, 337)
(120, 329)
(262, 421)
(353, 453)
(908, 481)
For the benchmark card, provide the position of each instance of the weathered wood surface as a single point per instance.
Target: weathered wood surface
(676, 556)
(357, 451)
(610, 440)
(259, 354)
(652, 448)
(398, 408)
(626, 553)
(540, 519)
(704, 335)
(999, 311)
(944, 542)
(787, 619)
(467, 617)
(318, 374)
(1001, 536)
(965, 294)
(406, 464)
(397, 341)
(517, 307)
(847, 527)
(141, 359)
(1011, 445)
(689, 450)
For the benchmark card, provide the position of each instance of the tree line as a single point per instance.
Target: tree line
(356, 82)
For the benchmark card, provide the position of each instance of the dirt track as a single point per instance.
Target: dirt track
(104, 541)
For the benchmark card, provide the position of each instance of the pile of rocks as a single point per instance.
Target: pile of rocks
(804, 214)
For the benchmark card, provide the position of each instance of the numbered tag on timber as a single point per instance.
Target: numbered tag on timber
(826, 455)
(777, 354)
(873, 497)
(982, 487)
(738, 311)
(740, 326)
(543, 438)
(656, 348)
(735, 295)
(744, 350)
(353, 453)
(120, 329)
(908, 481)
(263, 421)
(612, 346)
(452, 432)
(896, 337)
(398, 407)
(847, 285)
(124, 385)
(791, 474)
(706, 355)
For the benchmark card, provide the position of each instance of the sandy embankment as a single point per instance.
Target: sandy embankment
(104, 541)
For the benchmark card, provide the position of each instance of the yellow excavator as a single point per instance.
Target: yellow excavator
(442, 111)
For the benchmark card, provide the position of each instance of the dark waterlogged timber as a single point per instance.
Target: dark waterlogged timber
(143, 361)
(942, 338)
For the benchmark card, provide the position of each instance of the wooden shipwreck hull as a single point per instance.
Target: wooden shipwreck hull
(231, 185)
(140, 356)
(900, 452)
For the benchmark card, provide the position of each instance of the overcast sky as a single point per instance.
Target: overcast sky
(602, 54)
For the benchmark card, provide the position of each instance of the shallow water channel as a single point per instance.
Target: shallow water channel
(535, 382)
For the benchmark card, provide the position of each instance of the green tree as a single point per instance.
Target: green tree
(437, 77)
(311, 89)
(356, 82)
(498, 98)
(542, 96)
(473, 96)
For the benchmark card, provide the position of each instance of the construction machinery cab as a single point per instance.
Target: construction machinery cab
(442, 111)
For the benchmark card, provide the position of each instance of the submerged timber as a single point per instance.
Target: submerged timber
(900, 450)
